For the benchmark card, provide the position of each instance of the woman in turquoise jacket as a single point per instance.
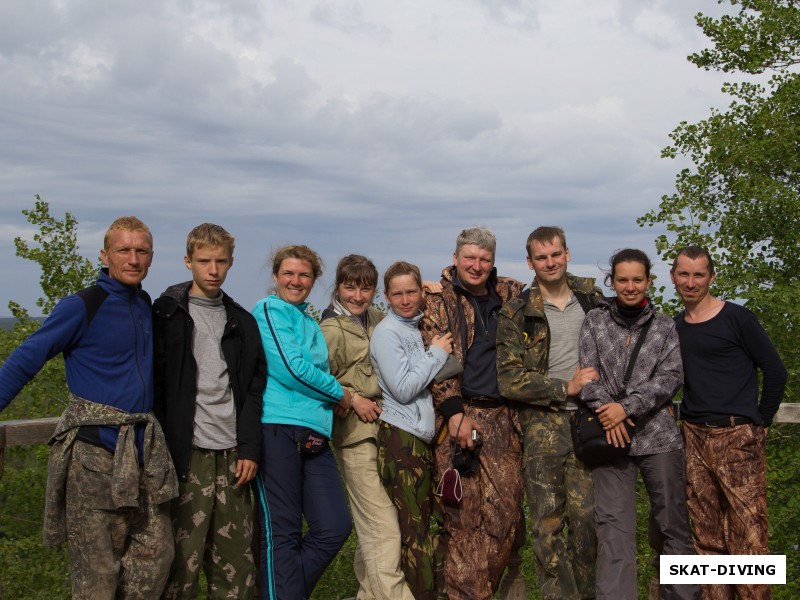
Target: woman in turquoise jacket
(297, 473)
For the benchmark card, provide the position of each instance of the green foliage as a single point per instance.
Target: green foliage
(764, 35)
(741, 200)
(783, 450)
(64, 270)
(31, 571)
(741, 197)
(27, 569)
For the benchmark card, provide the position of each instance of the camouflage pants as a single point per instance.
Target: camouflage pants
(481, 530)
(727, 497)
(213, 527)
(560, 497)
(405, 464)
(113, 553)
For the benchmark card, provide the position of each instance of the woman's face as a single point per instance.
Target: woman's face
(355, 297)
(630, 283)
(294, 280)
(404, 296)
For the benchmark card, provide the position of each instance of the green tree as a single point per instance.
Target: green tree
(27, 569)
(63, 271)
(741, 199)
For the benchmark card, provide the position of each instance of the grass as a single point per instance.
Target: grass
(29, 572)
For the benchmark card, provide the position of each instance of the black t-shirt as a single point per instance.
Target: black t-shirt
(721, 358)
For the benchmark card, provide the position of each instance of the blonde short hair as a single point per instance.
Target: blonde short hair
(130, 223)
(209, 234)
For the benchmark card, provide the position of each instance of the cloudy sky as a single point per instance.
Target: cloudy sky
(369, 126)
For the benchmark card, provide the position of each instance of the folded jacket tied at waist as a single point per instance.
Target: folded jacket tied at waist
(160, 480)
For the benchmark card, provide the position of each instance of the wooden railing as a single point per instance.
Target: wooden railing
(38, 431)
(28, 432)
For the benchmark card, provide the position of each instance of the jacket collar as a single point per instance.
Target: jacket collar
(112, 286)
(579, 285)
(179, 294)
(611, 306)
(373, 315)
(411, 322)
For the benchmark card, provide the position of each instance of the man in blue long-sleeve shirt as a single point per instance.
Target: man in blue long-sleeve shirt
(724, 423)
(109, 474)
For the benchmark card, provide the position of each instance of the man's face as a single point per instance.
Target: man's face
(128, 256)
(549, 260)
(209, 266)
(692, 278)
(473, 267)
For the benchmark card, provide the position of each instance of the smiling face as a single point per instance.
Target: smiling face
(294, 280)
(473, 267)
(128, 255)
(404, 295)
(209, 266)
(549, 261)
(355, 297)
(631, 283)
(692, 278)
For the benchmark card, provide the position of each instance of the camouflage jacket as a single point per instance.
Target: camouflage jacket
(160, 480)
(522, 356)
(450, 310)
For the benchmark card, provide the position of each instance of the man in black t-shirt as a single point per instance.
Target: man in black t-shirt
(724, 422)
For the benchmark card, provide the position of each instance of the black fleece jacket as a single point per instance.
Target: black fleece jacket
(175, 374)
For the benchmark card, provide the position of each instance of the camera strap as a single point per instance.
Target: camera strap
(634, 356)
(453, 446)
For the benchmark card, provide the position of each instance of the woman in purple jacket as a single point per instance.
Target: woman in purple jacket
(608, 337)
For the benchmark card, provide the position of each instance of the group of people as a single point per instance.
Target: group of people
(202, 436)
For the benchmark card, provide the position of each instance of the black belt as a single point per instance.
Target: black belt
(730, 421)
(484, 402)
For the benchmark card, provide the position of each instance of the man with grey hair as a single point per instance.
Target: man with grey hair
(484, 443)
(537, 366)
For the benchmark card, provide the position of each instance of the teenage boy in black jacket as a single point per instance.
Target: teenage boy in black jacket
(209, 376)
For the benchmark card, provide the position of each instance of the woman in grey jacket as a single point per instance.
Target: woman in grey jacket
(608, 337)
(405, 456)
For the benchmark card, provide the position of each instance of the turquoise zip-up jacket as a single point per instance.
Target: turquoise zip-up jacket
(300, 389)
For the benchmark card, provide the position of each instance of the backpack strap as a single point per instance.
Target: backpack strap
(587, 301)
(92, 296)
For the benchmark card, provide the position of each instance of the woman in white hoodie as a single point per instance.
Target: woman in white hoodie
(405, 457)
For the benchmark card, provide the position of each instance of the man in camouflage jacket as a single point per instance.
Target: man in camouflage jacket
(479, 532)
(537, 358)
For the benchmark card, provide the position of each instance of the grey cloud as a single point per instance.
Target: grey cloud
(183, 112)
(349, 19)
(521, 14)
